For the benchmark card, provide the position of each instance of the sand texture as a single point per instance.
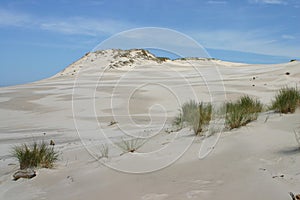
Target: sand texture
(106, 96)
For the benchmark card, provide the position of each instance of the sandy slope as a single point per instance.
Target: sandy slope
(75, 107)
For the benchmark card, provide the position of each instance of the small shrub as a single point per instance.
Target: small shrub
(242, 112)
(286, 100)
(36, 155)
(194, 114)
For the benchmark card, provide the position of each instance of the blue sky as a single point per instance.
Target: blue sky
(39, 38)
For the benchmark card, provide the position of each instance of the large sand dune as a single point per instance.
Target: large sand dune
(143, 94)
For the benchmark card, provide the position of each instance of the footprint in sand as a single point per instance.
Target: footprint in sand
(154, 196)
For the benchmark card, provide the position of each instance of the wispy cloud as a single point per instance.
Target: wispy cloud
(69, 26)
(85, 26)
(217, 2)
(9, 18)
(255, 41)
(93, 2)
(283, 2)
(289, 37)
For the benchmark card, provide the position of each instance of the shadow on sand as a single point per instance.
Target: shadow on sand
(290, 151)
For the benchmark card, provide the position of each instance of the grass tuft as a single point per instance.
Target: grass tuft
(131, 145)
(36, 155)
(194, 114)
(242, 112)
(286, 100)
(104, 150)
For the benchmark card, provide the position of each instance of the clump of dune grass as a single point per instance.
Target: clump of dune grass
(36, 155)
(286, 100)
(242, 112)
(196, 115)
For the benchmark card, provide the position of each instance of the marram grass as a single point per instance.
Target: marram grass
(286, 100)
(242, 112)
(36, 155)
(196, 115)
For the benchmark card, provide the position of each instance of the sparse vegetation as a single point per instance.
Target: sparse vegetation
(286, 100)
(194, 114)
(297, 137)
(36, 155)
(104, 151)
(144, 52)
(216, 126)
(162, 59)
(125, 54)
(131, 145)
(196, 58)
(111, 123)
(242, 112)
(178, 122)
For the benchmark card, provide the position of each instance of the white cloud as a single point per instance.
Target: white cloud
(255, 41)
(283, 2)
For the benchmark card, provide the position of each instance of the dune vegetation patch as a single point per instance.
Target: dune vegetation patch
(131, 145)
(238, 113)
(286, 100)
(241, 112)
(194, 114)
(39, 155)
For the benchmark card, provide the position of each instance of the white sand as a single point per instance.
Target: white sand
(246, 163)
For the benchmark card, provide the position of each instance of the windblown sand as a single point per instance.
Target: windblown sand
(75, 109)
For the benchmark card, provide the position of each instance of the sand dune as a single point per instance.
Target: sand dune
(143, 94)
